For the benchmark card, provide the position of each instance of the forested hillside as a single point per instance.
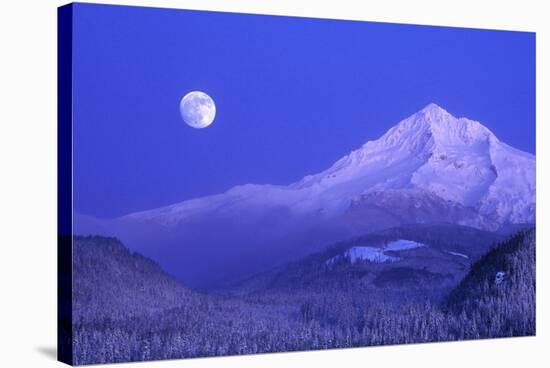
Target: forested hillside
(498, 294)
(127, 308)
(112, 282)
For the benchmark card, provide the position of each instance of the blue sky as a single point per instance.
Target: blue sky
(293, 95)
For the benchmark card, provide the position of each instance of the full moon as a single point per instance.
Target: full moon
(197, 109)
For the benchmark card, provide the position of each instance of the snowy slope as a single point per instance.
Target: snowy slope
(402, 244)
(375, 254)
(456, 159)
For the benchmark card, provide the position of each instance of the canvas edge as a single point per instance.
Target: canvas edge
(64, 187)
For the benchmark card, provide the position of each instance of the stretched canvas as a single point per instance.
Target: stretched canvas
(241, 184)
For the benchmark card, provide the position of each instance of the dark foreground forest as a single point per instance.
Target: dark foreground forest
(125, 308)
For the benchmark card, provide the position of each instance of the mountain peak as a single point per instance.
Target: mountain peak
(434, 110)
(434, 125)
(434, 114)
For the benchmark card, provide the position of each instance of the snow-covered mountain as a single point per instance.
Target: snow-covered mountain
(431, 153)
(429, 168)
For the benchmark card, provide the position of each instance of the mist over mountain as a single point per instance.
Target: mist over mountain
(430, 168)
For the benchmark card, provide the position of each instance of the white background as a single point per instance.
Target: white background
(28, 181)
